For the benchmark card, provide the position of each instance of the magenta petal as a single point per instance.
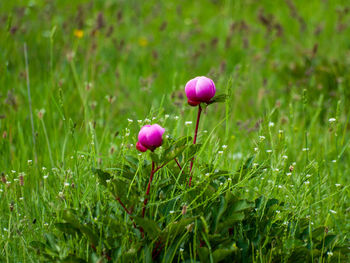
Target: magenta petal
(150, 136)
(140, 147)
(190, 89)
(205, 89)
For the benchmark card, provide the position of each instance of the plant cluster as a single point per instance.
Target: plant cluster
(181, 219)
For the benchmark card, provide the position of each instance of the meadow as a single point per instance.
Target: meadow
(271, 174)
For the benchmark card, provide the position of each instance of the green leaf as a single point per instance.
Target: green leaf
(329, 240)
(230, 221)
(102, 176)
(241, 205)
(149, 226)
(132, 160)
(67, 228)
(203, 253)
(218, 98)
(176, 228)
(222, 253)
(72, 259)
(175, 149)
(155, 158)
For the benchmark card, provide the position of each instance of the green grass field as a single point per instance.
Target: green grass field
(271, 179)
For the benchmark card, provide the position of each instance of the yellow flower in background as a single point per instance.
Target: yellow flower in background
(78, 33)
(143, 41)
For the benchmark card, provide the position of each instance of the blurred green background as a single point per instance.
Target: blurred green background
(99, 63)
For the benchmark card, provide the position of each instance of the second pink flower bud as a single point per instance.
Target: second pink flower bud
(150, 137)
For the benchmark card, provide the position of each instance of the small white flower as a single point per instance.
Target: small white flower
(277, 170)
(147, 120)
(294, 163)
(21, 198)
(280, 186)
(130, 121)
(15, 180)
(82, 156)
(289, 174)
(256, 149)
(330, 253)
(220, 152)
(181, 249)
(265, 170)
(280, 131)
(332, 211)
(270, 181)
(337, 185)
(60, 194)
(308, 175)
(176, 117)
(72, 157)
(1, 190)
(66, 184)
(271, 124)
(255, 164)
(332, 120)
(285, 157)
(13, 171)
(269, 151)
(334, 161)
(305, 149)
(171, 211)
(278, 211)
(30, 162)
(262, 138)
(154, 118)
(224, 146)
(307, 182)
(46, 224)
(221, 183)
(45, 176)
(262, 178)
(187, 123)
(205, 131)
(139, 121)
(207, 174)
(166, 116)
(229, 179)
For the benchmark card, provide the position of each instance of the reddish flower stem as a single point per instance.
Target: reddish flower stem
(178, 164)
(148, 188)
(129, 213)
(194, 141)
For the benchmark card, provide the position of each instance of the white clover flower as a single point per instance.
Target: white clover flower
(332, 120)
(271, 124)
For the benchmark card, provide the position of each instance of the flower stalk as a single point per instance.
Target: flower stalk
(194, 141)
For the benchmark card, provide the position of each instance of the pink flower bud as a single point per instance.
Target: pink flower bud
(150, 137)
(199, 89)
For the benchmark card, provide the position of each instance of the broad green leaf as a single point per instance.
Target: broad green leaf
(149, 226)
(67, 228)
(218, 98)
(221, 253)
(102, 176)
